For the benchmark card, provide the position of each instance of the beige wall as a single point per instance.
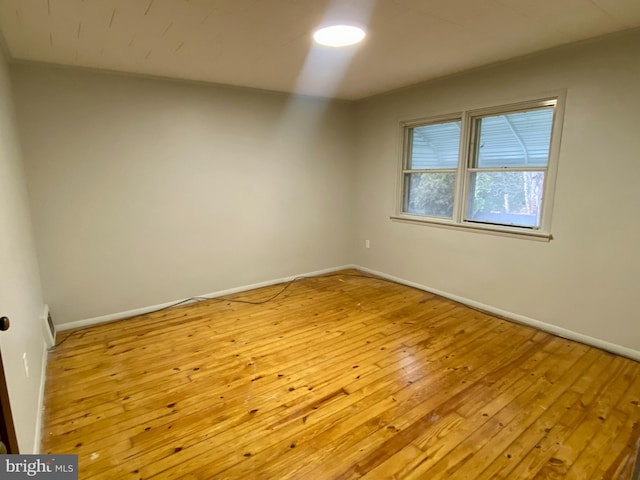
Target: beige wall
(587, 279)
(146, 191)
(20, 292)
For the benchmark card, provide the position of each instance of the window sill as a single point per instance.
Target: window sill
(474, 227)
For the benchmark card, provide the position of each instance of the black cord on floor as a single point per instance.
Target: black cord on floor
(235, 300)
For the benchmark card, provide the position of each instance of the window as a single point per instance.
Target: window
(490, 169)
(432, 164)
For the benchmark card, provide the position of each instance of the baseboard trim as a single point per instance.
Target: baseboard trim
(40, 418)
(141, 311)
(547, 327)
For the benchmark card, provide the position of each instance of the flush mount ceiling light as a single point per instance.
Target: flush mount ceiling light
(339, 35)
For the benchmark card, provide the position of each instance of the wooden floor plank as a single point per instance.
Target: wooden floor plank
(339, 377)
(361, 388)
(473, 449)
(367, 418)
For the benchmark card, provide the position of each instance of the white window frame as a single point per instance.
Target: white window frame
(465, 159)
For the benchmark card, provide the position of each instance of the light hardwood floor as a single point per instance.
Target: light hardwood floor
(340, 377)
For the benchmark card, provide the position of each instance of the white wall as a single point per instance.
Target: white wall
(587, 279)
(20, 292)
(145, 191)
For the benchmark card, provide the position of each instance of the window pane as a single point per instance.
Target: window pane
(429, 194)
(435, 146)
(506, 198)
(519, 139)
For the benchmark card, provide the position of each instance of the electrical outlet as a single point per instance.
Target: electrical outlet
(26, 364)
(367, 244)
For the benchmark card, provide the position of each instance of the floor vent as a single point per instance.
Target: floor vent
(49, 328)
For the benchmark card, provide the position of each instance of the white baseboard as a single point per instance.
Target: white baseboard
(40, 418)
(141, 311)
(547, 327)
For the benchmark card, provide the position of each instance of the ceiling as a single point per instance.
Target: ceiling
(267, 44)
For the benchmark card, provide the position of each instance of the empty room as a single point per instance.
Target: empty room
(320, 239)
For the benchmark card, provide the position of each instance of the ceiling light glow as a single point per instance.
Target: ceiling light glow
(339, 35)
